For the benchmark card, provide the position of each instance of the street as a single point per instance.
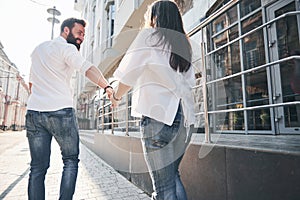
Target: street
(96, 180)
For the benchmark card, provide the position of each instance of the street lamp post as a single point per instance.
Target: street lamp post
(54, 12)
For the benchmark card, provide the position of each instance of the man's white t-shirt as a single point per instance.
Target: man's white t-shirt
(53, 64)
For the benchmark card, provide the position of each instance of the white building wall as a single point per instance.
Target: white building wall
(194, 16)
(124, 9)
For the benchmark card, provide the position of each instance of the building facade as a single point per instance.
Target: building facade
(14, 93)
(250, 66)
(246, 58)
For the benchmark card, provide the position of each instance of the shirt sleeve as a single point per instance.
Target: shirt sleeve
(134, 61)
(74, 59)
(30, 71)
(190, 77)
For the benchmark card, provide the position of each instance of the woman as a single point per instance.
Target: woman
(158, 66)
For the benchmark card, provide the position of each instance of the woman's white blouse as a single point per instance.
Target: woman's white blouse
(157, 88)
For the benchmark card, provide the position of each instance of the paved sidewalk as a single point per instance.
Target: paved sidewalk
(96, 180)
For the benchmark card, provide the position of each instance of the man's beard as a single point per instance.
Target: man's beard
(72, 40)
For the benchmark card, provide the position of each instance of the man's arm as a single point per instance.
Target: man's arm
(95, 75)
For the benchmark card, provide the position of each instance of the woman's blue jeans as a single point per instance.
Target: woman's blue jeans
(164, 147)
(41, 127)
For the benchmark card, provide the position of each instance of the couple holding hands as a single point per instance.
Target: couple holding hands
(157, 67)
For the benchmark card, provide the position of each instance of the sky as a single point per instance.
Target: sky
(24, 25)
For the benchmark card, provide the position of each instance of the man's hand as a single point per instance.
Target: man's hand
(109, 92)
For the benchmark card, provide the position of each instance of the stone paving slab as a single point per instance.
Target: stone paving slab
(96, 180)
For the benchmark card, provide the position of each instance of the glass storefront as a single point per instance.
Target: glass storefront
(250, 60)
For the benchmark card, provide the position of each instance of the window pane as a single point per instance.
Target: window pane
(228, 121)
(247, 6)
(235, 65)
(257, 94)
(287, 32)
(233, 33)
(225, 37)
(226, 94)
(225, 20)
(218, 25)
(224, 62)
(290, 84)
(253, 44)
(251, 22)
(257, 88)
(259, 119)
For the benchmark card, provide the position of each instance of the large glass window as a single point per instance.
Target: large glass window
(223, 59)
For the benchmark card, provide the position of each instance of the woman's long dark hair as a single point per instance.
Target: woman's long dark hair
(166, 18)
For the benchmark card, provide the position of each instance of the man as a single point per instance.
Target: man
(50, 106)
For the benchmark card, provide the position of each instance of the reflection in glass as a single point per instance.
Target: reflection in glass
(257, 94)
(287, 32)
(226, 94)
(247, 6)
(233, 33)
(290, 80)
(288, 44)
(225, 37)
(257, 88)
(225, 20)
(229, 121)
(226, 61)
(254, 50)
(259, 119)
(219, 29)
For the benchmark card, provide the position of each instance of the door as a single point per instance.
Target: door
(283, 39)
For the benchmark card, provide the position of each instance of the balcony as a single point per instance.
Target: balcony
(130, 13)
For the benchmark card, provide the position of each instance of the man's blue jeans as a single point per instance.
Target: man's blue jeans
(41, 127)
(164, 147)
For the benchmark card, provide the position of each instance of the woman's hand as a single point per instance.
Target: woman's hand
(117, 94)
(114, 100)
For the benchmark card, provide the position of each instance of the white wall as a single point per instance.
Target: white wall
(193, 16)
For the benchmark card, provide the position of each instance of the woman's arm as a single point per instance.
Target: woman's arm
(119, 92)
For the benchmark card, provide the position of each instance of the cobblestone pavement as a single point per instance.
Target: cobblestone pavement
(96, 180)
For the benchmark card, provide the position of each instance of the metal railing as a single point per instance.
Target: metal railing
(206, 83)
(109, 118)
